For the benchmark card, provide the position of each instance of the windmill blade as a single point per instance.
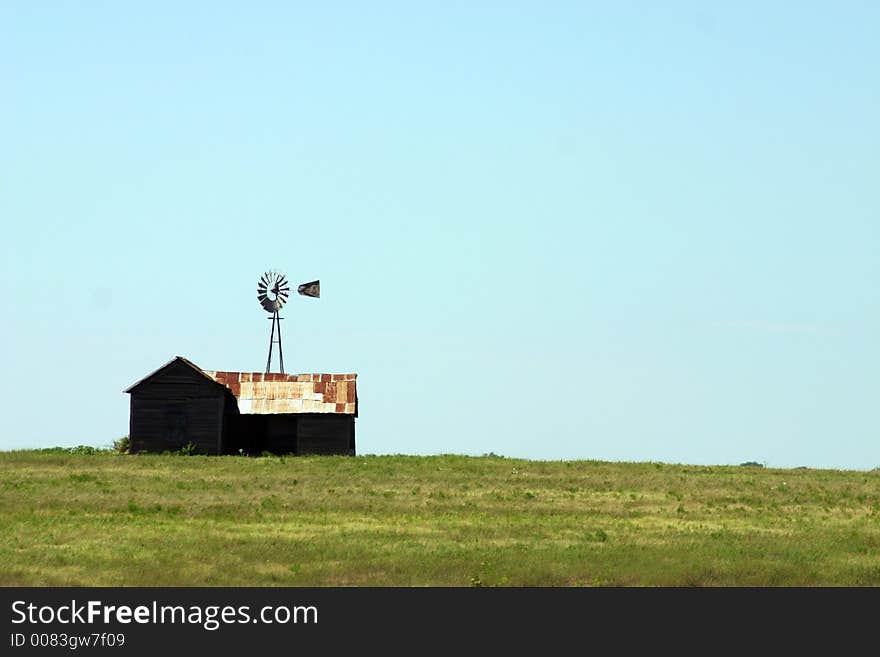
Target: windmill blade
(272, 291)
(312, 289)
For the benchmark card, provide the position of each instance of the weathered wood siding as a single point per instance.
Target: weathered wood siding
(290, 434)
(175, 408)
(281, 434)
(325, 434)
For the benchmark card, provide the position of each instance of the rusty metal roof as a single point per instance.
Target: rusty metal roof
(264, 394)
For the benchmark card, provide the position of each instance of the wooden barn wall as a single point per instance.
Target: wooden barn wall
(158, 425)
(325, 434)
(290, 434)
(176, 408)
(255, 434)
(281, 434)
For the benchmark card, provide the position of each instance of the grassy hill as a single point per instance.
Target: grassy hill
(107, 519)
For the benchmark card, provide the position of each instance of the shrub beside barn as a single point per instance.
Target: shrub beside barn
(242, 412)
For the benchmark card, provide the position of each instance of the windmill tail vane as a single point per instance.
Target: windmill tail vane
(312, 289)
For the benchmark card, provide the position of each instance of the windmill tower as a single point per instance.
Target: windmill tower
(272, 293)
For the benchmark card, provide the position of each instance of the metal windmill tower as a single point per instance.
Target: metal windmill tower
(272, 293)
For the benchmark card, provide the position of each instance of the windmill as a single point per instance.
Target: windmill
(272, 293)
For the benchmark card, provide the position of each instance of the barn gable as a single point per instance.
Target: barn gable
(176, 372)
(177, 405)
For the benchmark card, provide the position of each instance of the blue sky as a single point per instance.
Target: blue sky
(618, 231)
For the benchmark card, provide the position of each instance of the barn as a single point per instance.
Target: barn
(242, 412)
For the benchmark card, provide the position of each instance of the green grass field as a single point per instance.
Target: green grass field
(108, 520)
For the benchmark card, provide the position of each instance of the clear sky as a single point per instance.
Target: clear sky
(631, 231)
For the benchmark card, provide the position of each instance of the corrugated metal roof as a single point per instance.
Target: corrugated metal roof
(263, 394)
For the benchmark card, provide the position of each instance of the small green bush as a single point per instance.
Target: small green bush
(188, 450)
(122, 445)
